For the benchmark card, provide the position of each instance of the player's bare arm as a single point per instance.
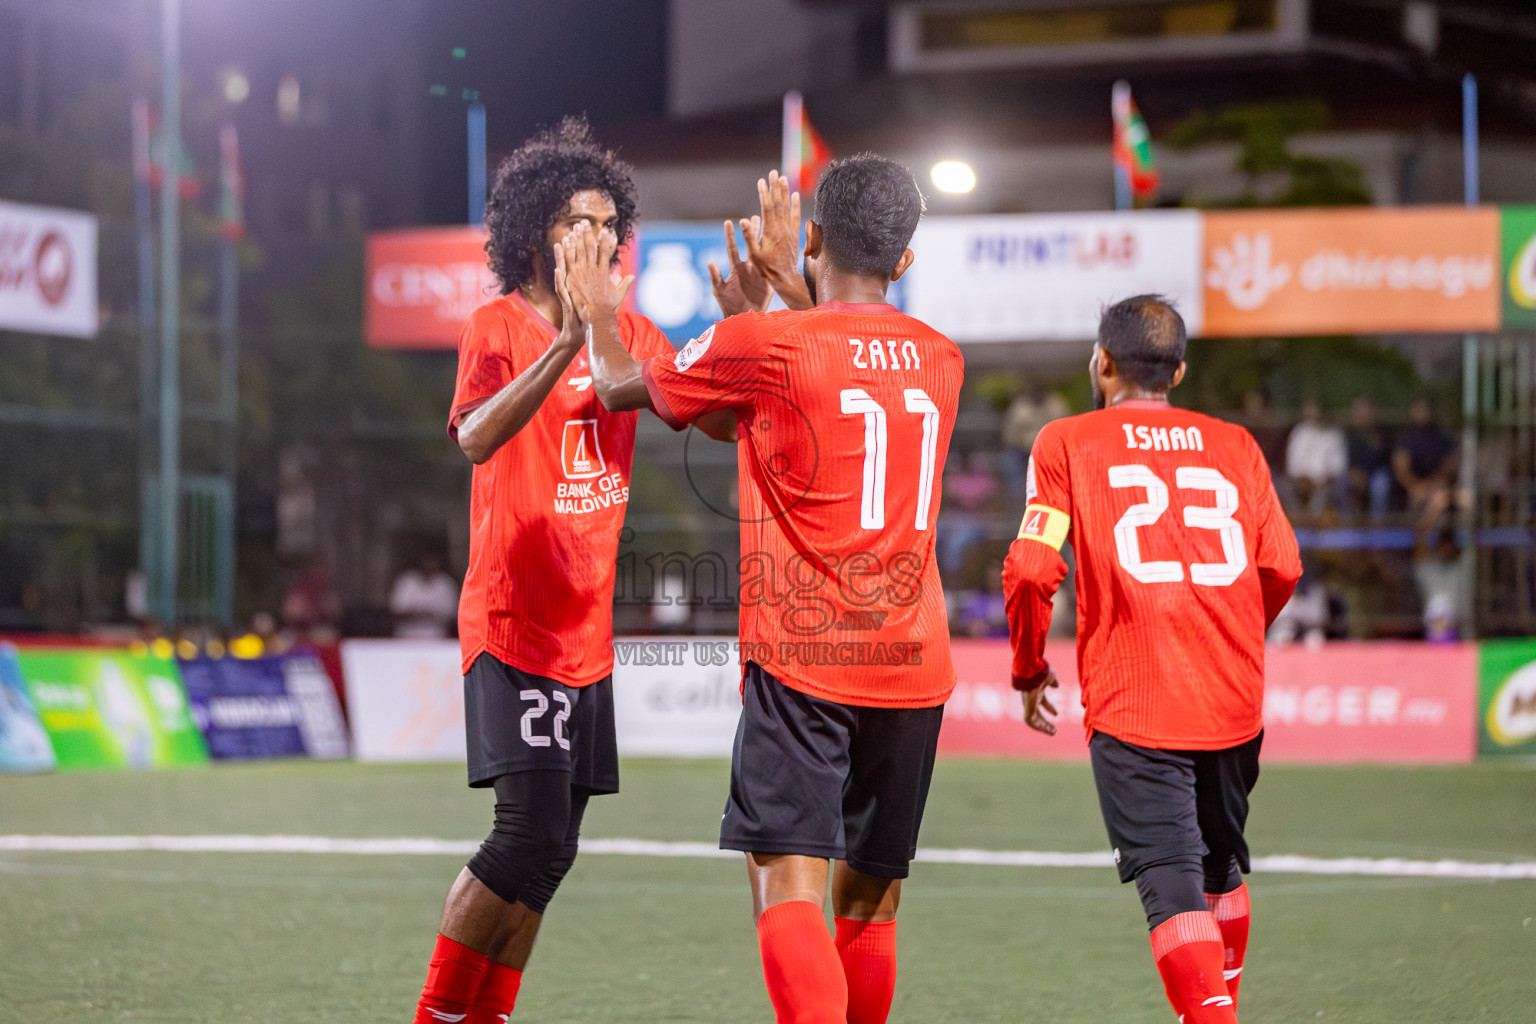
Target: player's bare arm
(746, 288)
(482, 431)
(1037, 701)
(775, 250)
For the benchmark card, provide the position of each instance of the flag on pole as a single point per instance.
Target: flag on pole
(158, 152)
(1135, 170)
(231, 185)
(805, 152)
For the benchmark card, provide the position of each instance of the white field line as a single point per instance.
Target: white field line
(1392, 867)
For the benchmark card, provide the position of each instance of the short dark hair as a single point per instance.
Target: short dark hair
(867, 208)
(1145, 336)
(534, 187)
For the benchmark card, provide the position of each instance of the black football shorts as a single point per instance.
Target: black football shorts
(1162, 806)
(814, 777)
(515, 721)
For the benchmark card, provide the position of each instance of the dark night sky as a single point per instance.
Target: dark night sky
(533, 62)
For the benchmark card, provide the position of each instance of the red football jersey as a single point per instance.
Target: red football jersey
(844, 414)
(544, 511)
(1184, 557)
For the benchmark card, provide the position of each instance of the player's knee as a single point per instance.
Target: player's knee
(541, 890)
(523, 843)
(1171, 888)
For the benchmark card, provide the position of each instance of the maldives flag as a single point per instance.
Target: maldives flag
(1133, 145)
(805, 152)
(231, 185)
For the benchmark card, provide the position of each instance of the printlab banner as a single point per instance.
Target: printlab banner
(1507, 697)
(1048, 277)
(1347, 702)
(111, 709)
(281, 706)
(47, 271)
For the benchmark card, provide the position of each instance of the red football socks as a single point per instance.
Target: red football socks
(1232, 914)
(801, 965)
(868, 952)
(497, 995)
(453, 980)
(1189, 954)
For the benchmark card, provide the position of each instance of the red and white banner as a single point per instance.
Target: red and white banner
(1345, 702)
(422, 284)
(48, 271)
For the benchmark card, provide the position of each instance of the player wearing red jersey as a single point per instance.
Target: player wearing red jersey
(1184, 558)
(844, 415)
(550, 485)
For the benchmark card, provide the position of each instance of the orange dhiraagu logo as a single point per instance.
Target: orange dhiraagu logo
(580, 454)
(1512, 712)
(1294, 272)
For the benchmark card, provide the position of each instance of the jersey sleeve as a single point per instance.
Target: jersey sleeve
(486, 364)
(644, 339)
(1034, 567)
(723, 368)
(1276, 555)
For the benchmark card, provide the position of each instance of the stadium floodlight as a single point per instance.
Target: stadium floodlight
(953, 176)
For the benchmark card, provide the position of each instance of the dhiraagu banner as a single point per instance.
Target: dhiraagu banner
(1518, 231)
(111, 709)
(24, 744)
(1507, 697)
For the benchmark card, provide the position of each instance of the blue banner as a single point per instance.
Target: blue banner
(265, 707)
(24, 743)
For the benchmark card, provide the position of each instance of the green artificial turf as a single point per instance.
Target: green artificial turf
(236, 938)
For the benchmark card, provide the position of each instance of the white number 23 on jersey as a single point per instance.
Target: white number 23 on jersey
(1199, 517)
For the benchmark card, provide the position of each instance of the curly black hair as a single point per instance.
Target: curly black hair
(534, 187)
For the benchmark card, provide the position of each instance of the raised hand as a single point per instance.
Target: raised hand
(746, 288)
(775, 249)
(586, 260)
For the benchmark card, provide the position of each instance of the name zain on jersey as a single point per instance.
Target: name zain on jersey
(903, 355)
(1163, 439)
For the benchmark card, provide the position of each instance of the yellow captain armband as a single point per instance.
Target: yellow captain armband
(1045, 524)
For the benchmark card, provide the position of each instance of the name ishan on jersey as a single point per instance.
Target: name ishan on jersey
(878, 354)
(577, 496)
(1163, 439)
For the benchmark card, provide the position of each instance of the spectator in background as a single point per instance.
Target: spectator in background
(1445, 586)
(1306, 615)
(985, 611)
(1425, 463)
(311, 605)
(1027, 413)
(1315, 459)
(424, 600)
(970, 492)
(1368, 484)
(1260, 421)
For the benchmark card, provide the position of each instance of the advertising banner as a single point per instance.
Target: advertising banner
(673, 288)
(47, 271)
(421, 284)
(24, 745)
(1348, 702)
(265, 707)
(405, 699)
(1048, 277)
(1518, 228)
(1298, 272)
(1507, 692)
(112, 709)
(676, 696)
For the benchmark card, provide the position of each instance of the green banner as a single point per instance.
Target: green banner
(1507, 697)
(110, 709)
(1519, 266)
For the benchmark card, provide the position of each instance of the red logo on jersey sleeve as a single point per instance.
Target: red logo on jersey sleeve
(580, 455)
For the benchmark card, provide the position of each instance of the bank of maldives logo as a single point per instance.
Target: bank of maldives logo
(1245, 272)
(580, 455)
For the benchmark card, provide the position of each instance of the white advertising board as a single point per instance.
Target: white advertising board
(673, 697)
(47, 271)
(405, 699)
(1047, 277)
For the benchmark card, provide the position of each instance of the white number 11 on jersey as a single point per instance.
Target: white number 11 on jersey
(872, 504)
